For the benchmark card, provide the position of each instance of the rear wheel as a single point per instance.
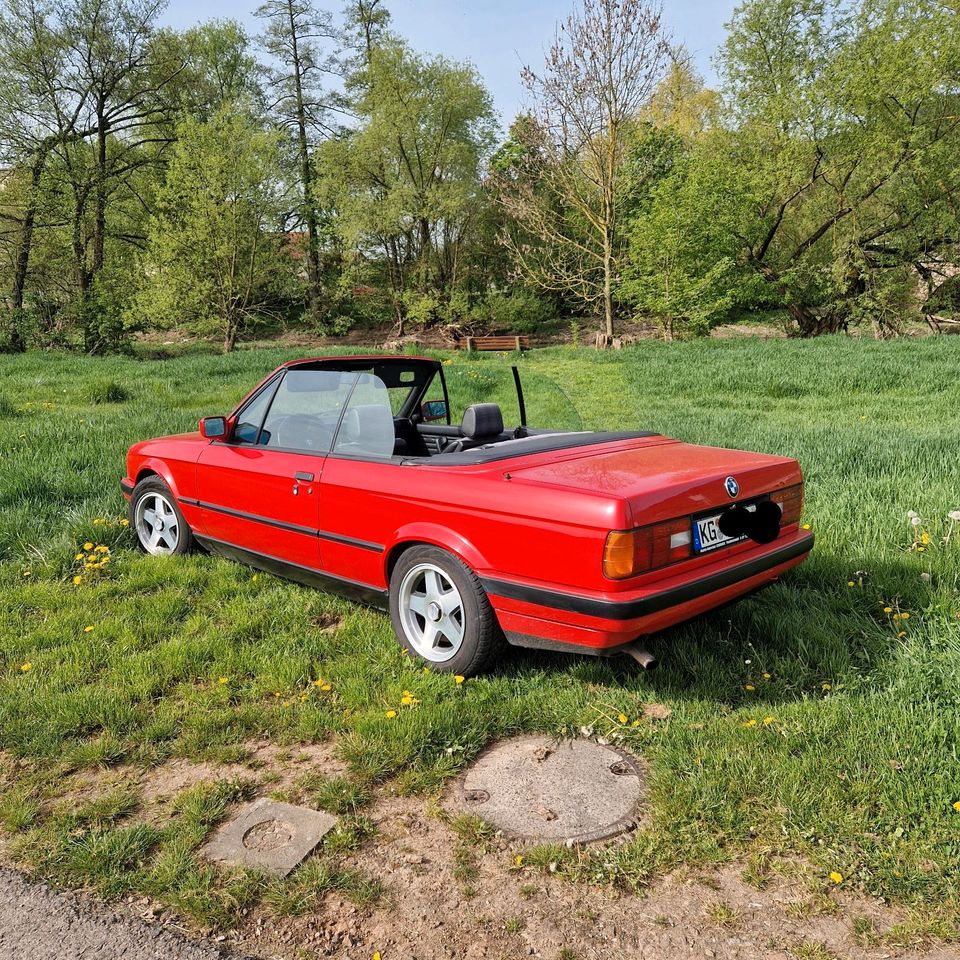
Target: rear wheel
(441, 613)
(156, 519)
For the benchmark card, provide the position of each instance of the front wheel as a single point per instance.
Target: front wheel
(156, 519)
(441, 613)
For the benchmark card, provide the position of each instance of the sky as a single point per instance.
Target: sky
(497, 36)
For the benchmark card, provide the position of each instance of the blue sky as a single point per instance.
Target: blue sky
(498, 36)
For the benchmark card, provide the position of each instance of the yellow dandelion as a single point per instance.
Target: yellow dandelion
(850, 583)
(767, 721)
(318, 682)
(77, 580)
(254, 577)
(27, 573)
(749, 686)
(26, 667)
(622, 717)
(100, 548)
(457, 679)
(749, 723)
(766, 676)
(304, 696)
(806, 526)
(826, 686)
(902, 633)
(518, 860)
(88, 629)
(376, 955)
(88, 546)
(79, 556)
(277, 694)
(124, 523)
(904, 616)
(636, 723)
(223, 680)
(391, 714)
(888, 609)
(956, 806)
(836, 877)
(326, 688)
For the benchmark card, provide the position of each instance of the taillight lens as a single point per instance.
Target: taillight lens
(630, 552)
(790, 500)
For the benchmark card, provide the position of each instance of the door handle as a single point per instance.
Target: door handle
(304, 477)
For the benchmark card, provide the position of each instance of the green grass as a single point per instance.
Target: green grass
(856, 768)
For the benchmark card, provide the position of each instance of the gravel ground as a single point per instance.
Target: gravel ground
(39, 923)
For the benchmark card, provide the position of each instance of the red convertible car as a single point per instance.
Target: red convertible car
(347, 474)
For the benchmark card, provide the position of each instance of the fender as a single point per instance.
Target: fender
(438, 536)
(162, 469)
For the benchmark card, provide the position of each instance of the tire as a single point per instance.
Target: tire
(168, 533)
(441, 614)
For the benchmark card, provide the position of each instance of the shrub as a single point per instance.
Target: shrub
(517, 311)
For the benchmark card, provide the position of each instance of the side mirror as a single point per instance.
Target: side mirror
(433, 410)
(213, 428)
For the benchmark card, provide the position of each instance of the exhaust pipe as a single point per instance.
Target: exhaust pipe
(644, 657)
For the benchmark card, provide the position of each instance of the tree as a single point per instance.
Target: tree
(293, 30)
(601, 71)
(216, 259)
(39, 110)
(846, 124)
(405, 183)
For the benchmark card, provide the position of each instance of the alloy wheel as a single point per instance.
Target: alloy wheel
(431, 612)
(157, 524)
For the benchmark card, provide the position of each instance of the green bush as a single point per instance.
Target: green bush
(519, 311)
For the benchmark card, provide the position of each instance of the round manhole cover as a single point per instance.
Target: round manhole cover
(537, 789)
(268, 835)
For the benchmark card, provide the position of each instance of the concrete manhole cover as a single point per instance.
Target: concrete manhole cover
(536, 789)
(269, 836)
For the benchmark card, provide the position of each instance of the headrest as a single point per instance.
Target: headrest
(369, 428)
(482, 420)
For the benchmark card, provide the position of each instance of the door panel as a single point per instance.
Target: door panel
(262, 499)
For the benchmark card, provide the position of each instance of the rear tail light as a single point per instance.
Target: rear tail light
(790, 501)
(631, 552)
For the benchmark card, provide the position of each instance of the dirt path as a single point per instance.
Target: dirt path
(39, 923)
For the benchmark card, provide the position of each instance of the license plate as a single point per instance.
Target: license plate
(707, 534)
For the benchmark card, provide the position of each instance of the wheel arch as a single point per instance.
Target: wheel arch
(157, 468)
(432, 535)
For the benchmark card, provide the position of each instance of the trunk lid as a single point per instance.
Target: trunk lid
(665, 479)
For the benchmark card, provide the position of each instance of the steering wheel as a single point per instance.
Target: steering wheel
(310, 432)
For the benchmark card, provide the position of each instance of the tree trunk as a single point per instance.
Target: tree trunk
(812, 324)
(16, 342)
(230, 339)
(100, 197)
(306, 176)
(608, 282)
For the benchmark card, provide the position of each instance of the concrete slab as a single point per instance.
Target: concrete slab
(270, 836)
(534, 788)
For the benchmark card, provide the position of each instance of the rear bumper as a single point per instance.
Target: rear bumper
(126, 485)
(537, 616)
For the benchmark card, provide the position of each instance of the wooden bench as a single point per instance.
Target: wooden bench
(498, 343)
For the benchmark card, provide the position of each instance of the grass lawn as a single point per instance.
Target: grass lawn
(820, 717)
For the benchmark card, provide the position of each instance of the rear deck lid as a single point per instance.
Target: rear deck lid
(667, 479)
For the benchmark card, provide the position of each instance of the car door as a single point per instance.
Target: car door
(259, 488)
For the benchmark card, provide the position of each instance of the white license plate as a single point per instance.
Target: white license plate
(707, 534)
